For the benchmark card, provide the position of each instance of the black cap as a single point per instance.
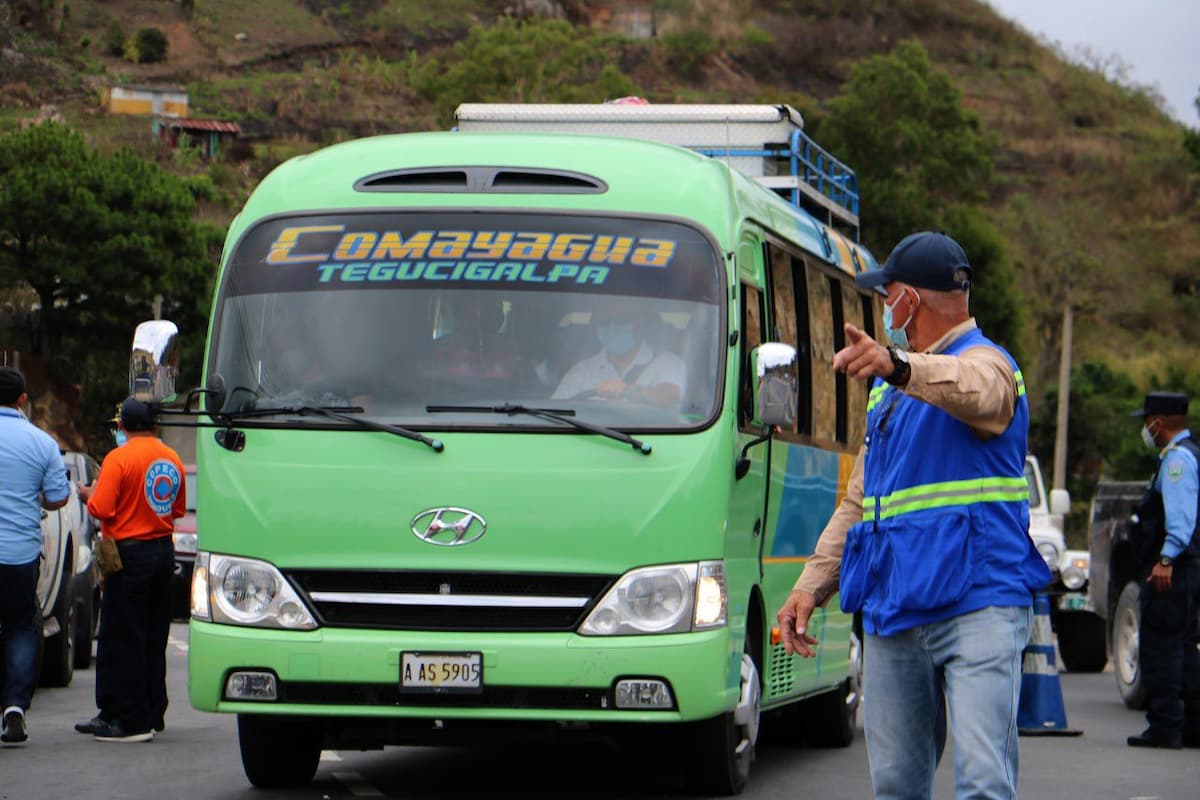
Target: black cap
(1163, 404)
(927, 260)
(12, 385)
(136, 415)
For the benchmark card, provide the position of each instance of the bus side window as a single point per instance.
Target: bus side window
(752, 321)
(824, 383)
(840, 382)
(789, 302)
(857, 310)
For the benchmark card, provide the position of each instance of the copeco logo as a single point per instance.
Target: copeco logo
(161, 485)
(448, 526)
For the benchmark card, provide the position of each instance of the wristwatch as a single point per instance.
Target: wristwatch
(1166, 561)
(901, 371)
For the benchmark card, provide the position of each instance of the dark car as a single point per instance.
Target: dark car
(185, 549)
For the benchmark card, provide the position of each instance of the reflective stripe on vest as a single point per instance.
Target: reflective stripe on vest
(943, 495)
(876, 396)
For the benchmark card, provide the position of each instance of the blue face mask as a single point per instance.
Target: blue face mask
(617, 339)
(897, 336)
(119, 436)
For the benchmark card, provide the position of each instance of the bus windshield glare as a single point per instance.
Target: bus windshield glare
(433, 320)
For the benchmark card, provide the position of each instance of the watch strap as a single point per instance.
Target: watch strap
(901, 370)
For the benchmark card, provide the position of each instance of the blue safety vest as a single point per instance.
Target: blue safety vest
(945, 527)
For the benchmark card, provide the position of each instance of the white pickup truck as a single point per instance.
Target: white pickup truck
(55, 588)
(1079, 630)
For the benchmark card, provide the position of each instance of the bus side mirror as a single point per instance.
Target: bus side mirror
(1060, 501)
(154, 361)
(776, 391)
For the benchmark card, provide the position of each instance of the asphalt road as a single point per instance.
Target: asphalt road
(197, 757)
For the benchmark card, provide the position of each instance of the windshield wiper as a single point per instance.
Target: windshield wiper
(338, 413)
(563, 415)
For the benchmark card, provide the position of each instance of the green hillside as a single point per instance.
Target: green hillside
(1091, 189)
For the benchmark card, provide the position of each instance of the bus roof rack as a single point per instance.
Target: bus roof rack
(765, 142)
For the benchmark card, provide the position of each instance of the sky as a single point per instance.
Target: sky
(1158, 39)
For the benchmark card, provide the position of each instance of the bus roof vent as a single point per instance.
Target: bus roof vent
(498, 180)
(545, 181)
(415, 180)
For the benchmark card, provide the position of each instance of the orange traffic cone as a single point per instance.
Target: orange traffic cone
(1041, 711)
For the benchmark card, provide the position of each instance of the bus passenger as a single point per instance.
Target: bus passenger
(626, 366)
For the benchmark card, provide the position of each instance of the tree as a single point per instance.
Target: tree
(546, 61)
(149, 46)
(923, 164)
(901, 125)
(114, 39)
(1191, 137)
(98, 238)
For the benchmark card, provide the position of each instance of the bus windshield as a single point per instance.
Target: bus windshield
(433, 320)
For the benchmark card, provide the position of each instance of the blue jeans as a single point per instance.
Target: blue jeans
(972, 661)
(20, 630)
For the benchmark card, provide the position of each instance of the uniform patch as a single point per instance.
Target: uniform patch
(1174, 472)
(162, 486)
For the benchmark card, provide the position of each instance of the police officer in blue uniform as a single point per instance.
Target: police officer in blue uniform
(1170, 600)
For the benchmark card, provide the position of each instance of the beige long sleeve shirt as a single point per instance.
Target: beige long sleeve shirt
(977, 387)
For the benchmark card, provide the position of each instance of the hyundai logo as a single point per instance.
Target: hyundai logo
(448, 527)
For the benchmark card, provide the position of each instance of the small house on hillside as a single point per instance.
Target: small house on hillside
(145, 100)
(212, 136)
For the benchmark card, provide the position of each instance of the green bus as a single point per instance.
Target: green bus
(426, 512)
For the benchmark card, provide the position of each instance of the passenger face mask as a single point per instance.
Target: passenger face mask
(119, 437)
(617, 339)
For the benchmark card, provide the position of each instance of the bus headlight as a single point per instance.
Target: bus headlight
(245, 591)
(674, 598)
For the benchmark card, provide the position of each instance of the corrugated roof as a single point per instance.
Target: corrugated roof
(203, 125)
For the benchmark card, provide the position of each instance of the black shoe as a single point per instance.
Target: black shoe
(92, 725)
(14, 732)
(113, 732)
(160, 725)
(1145, 739)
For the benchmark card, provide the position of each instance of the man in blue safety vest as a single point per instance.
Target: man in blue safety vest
(931, 543)
(1170, 598)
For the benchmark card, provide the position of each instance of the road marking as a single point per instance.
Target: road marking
(357, 785)
(181, 646)
(330, 755)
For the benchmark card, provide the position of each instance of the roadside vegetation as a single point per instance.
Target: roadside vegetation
(1065, 180)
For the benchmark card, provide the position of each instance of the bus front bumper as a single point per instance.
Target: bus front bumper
(525, 676)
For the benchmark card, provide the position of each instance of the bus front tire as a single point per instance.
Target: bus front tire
(278, 752)
(724, 745)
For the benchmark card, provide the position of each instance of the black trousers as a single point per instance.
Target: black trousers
(1168, 657)
(135, 621)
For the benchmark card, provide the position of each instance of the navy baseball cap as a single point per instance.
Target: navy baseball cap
(926, 260)
(136, 415)
(1163, 404)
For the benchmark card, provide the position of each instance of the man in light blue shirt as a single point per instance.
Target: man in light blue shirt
(32, 477)
(1170, 600)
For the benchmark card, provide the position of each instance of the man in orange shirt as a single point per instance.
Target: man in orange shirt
(137, 498)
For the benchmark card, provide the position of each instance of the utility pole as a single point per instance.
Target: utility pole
(1064, 396)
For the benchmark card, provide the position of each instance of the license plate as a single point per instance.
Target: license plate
(441, 672)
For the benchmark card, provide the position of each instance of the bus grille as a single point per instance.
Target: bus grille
(449, 601)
